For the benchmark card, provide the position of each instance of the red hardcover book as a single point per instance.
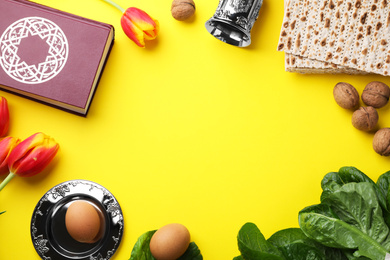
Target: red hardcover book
(52, 56)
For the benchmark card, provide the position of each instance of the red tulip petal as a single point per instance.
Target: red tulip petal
(132, 31)
(34, 162)
(140, 18)
(27, 144)
(32, 155)
(6, 146)
(4, 116)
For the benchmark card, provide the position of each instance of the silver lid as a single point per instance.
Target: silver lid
(233, 21)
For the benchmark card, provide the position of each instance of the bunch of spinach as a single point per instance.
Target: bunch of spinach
(351, 223)
(141, 249)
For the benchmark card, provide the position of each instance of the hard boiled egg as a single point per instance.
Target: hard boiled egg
(170, 242)
(83, 222)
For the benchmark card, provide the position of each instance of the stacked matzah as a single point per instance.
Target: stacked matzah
(336, 36)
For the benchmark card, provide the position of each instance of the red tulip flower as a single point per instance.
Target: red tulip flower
(137, 24)
(4, 116)
(6, 146)
(31, 156)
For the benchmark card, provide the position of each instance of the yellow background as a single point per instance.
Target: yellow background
(195, 131)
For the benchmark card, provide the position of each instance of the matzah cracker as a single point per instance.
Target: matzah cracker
(351, 33)
(295, 63)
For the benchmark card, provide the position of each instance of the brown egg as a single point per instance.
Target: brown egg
(170, 242)
(83, 222)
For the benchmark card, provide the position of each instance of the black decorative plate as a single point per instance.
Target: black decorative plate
(48, 231)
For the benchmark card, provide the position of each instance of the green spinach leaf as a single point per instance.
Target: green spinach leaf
(192, 253)
(349, 217)
(294, 244)
(141, 249)
(383, 183)
(346, 175)
(350, 256)
(351, 174)
(253, 245)
(287, 244)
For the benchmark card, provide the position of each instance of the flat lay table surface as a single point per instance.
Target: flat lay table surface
(195, 131)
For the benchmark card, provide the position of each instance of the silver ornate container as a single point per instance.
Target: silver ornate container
(233, 21)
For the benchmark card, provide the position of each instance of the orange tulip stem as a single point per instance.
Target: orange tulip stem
(9, 177)
(115, 5)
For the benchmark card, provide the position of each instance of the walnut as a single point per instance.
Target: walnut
(182, 9)
(365, 118)
(346, 95)
(381, 142)
(376, 94)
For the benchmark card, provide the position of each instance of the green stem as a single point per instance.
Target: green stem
(115, 5)
(6, 180)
